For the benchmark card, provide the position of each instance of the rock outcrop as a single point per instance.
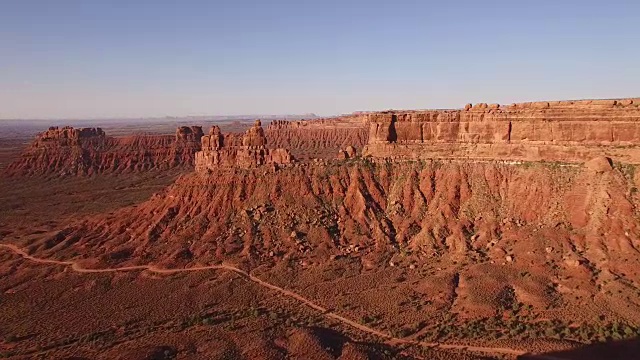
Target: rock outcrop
(217, 152)
(321, 138)
(189, 133)
(67, 135)
(349, 152)
(88, 151)
(567, 131)
(599, 164)
(254, 138)
(564, 131)
(214, 141)
(438, 209)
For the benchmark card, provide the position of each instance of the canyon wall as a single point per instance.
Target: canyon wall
(322, 138)
(567, 131)
(87, 151)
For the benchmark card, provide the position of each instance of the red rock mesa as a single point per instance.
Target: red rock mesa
(564, 131)
(87, 151)
(567, 131)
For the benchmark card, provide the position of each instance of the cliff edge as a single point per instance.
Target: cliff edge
(87, 151)
(566, 131)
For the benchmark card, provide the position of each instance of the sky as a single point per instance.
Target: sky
(103, 59)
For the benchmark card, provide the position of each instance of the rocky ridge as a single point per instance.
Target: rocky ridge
(566, 131)
(88, 151)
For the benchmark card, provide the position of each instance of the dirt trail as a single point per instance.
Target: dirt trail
(391, 340)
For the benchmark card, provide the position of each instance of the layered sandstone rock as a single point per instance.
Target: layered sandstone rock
(87, 151)
(217, 152)
(321, 138)
(450, 209)
(67, 135)
(69, 151)
(570, 131)
(254, 138)
(214, 141)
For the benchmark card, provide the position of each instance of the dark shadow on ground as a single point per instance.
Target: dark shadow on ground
(610, 350)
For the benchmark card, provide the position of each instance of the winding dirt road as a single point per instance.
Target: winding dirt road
(389, 339)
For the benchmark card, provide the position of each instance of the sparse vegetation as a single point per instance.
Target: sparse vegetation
(431, 226)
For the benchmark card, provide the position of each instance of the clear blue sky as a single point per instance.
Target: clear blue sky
(91, 58)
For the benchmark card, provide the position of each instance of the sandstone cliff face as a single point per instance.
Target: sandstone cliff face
(69, 151)
(318, 138)
(566, 131)
(451, 210)
(569, 131)
(241, 158)
(220, 152)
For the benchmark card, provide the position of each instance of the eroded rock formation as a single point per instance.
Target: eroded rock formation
(215, 139)
(67, 135)
(254, 138)
(565, 131)
(568, 131)
(253, 152)
(189, 133)
(322, 138)
(69, 151)
(348, 153)
(87, 151)
(438, 209)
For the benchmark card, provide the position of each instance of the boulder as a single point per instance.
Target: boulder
(599, 164)
(351, 151)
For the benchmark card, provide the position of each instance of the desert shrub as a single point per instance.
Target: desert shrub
(9, 338)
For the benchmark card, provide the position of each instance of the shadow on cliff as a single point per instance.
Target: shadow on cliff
(611, 350)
